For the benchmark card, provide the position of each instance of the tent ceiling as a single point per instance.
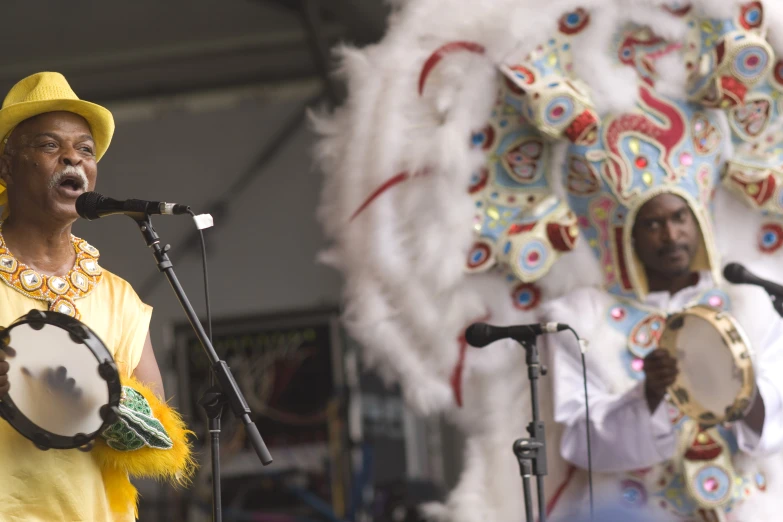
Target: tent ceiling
(147, 48)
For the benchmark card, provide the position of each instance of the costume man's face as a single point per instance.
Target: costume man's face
(49, 162)
(666, 235)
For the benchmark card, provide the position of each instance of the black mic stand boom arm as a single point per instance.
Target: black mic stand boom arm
(225, 392)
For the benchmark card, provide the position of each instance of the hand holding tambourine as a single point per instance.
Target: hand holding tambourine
(4, 385)
(704, 363)
(62, 388)
(660, 372)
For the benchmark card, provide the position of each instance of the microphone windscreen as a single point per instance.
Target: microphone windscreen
(478, 335)
(87, 205)
(735, 273)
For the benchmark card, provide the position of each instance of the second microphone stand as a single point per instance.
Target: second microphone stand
(225, 391)
(531, 451)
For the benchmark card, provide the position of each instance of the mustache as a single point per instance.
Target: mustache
(70, 170)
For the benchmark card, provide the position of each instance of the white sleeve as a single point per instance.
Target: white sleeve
(769, 380)
(624, 435)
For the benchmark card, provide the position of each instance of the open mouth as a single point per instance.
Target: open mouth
(71, 185)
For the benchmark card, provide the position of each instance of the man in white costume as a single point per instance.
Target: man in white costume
(645, 453)
(442, 205)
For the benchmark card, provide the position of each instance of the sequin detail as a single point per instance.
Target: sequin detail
(137, 426)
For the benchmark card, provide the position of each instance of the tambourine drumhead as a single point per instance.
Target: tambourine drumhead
(63, 381)
(716, 380)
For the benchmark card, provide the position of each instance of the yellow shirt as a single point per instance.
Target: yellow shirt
(66, 485)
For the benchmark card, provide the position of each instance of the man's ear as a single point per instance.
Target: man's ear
(5, 169)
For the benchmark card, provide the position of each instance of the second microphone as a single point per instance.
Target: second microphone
(479, 335)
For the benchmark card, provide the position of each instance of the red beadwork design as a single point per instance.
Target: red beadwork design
(775, 231)
(681, 11)
(584, 129)
(625, 278)
(778, 72)
(572, 23)
(395, 180)
(563, 237)
(668, 135)
(526, 296)
(709, 449)
(748, 9)
(734, 91)
(479, 183)
(489, 137)
(485, 255)
(518, 228)
(764, 190)
(440, 53)
(523, 74)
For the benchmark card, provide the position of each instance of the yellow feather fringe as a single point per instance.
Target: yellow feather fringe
(175, 465)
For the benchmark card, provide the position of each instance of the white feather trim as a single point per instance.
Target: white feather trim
(773, 12)
(614, 86)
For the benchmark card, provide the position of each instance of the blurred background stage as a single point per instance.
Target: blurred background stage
(210, 99)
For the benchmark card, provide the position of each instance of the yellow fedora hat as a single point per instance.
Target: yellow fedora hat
(49, 92)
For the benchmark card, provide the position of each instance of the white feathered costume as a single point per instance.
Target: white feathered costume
(446, 176)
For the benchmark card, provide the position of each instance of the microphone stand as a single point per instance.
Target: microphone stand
(221, 394)
(531, 452)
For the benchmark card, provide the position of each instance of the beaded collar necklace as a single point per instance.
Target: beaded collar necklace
(60, 292)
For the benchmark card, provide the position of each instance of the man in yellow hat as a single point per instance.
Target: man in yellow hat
(51, 144)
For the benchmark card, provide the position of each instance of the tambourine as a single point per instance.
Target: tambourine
(65, 387)
(716, 382)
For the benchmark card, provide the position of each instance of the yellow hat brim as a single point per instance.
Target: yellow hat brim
(100, 120)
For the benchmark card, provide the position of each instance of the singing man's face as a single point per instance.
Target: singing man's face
(48, 162)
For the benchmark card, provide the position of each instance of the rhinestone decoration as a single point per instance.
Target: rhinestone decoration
(79, 281)
(7, 263)
(30, 280)
(58, 285)
(90, 266)
(618, 313)
(84, 246)
(64, 306)
(60, 292)
(761, 481)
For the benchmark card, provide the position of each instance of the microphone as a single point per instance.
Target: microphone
(739, 275)
(479, 335)
(92, 205)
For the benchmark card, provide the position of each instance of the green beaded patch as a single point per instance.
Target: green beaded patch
(136, 427)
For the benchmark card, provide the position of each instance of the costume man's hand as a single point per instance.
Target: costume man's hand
(660, 371)
(4, 384)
